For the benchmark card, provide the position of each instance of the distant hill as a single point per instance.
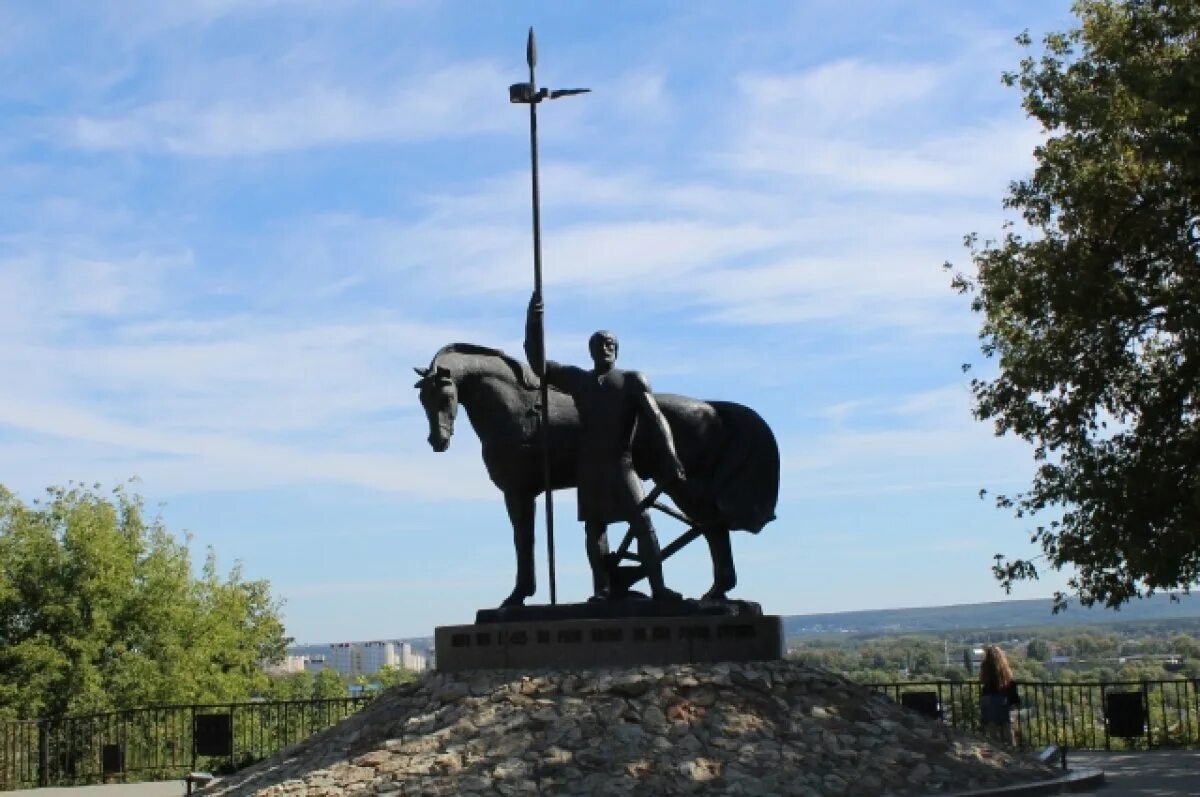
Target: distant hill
(959, 617)
(981, 616)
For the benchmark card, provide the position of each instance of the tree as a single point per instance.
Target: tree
(1185, 645)
(329, 684)
(99, 610)
(956, 674)
(292, 686)
(1038, 650)
(388, 676)
(1093, 311)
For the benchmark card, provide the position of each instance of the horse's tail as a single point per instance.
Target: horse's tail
(745, 481)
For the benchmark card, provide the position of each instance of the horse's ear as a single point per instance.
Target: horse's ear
(421, 372)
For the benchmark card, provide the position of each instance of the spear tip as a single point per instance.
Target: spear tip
(531, 49)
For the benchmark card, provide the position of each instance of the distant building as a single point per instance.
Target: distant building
(377, 655)
(346, 658)
(365, 658)
(290, 664)
(411, 659)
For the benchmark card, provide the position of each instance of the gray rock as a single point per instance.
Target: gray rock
(633, 687)
(703, 696)
(919, 773)
(511, 769)
(834, 784)
(628, 733)
(653, 717)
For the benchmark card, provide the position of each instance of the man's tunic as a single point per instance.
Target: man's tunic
(608, 404)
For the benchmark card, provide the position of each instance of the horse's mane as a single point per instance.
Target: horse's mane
(523, 373)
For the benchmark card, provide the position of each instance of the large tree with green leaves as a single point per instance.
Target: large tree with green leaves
(100, 609)
(1091, 302)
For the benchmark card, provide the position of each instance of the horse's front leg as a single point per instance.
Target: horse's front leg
(724, 575)
(521, 512)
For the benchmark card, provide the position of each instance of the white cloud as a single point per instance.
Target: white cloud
(833, 96)
(244, 376)
(922, 441)
(42, 289)
(148, 18)
(109, 450)
(745, 256)
(569, 189)
(976, 162)
(459, 100)
(879, 127)
(642, 97)
(638, 256)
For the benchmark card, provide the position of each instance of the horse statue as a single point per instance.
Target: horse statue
(728, 451)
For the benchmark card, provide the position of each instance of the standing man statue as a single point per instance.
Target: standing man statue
(610, 402)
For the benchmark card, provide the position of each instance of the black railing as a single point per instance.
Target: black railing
(167, 741)
(159, 742)
(1110, 715)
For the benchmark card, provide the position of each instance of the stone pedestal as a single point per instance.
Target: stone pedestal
(609, 642)
(633, 606)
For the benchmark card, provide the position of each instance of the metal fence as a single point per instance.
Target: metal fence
(1111, 715)
(167, 741)
(159, 742)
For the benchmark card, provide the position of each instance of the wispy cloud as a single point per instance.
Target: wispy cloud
(144, 19)
(970, 162)
(454, 101)
(742, 256)
(834, 96)
(207, 460)
(925, 441)
(877, 127)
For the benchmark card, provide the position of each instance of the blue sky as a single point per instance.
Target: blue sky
(229, 229)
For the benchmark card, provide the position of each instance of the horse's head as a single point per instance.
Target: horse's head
(439, 397)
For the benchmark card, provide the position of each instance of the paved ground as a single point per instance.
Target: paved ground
(1157, 774)
(167, 788)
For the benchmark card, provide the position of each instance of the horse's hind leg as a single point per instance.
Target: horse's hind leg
(521, 512)
(724, 575)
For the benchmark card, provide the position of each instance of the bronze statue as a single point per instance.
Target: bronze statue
(611, 403)
(728, 451)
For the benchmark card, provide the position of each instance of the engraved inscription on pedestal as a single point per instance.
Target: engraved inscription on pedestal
(609, 643)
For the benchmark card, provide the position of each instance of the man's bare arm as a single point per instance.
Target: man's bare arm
(649, 410)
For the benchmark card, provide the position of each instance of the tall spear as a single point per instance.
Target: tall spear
(531, 95)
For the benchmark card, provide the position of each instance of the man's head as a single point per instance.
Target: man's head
(603, 347)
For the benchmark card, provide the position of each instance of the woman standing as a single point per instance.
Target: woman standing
(998, 696)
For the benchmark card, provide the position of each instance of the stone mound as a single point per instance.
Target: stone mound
(762, 728)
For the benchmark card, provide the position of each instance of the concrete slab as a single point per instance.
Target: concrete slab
(164, 788)
(1159, 773)
(1167, 773)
